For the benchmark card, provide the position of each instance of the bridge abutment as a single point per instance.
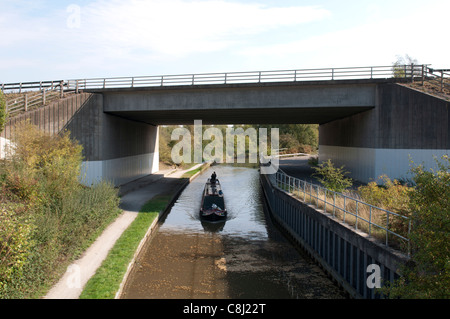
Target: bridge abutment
(115, 149)
(405, 125)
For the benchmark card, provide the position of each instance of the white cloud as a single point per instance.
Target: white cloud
(378, 40)
(180, 27)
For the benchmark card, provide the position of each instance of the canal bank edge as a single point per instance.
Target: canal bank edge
(153, 227)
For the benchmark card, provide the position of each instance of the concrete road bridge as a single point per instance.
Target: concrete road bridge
(370, 121)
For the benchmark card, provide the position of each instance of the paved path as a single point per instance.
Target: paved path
(299, 167)
(134, 196)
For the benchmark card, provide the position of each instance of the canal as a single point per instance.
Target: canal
(244, 257)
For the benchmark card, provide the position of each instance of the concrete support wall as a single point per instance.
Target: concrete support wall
(114, 148)
(404, 125)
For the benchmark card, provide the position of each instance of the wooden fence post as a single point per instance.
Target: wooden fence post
(61, 86)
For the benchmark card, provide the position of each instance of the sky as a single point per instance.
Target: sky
(69, 39)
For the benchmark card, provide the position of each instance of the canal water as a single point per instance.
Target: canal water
(244, 257)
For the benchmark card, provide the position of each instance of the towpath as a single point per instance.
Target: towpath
(133, 196)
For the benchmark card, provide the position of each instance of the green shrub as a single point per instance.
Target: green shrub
(47, 217)
(3, 113)
(392, 196)
(428, 274)
(15, 243)
(332, 178)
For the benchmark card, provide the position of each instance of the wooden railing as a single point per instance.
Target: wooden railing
(29, 100)
(438, 77)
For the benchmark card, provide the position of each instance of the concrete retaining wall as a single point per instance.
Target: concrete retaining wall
(342, 251)
(404, 125)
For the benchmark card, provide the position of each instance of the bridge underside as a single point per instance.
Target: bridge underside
(264, 103)
(242, 116)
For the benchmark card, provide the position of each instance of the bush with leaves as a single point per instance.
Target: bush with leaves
(392, 196)
(331, 177)
(15, 243)
(2, 111)
(47, 216)
(428, 274)
(41, 167)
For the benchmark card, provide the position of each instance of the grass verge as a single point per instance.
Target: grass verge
(106, 281)
(191, 173)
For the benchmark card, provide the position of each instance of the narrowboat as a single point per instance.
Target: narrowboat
(213, 208)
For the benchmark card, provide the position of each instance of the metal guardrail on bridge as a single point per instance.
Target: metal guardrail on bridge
(411, 72)
(371, 72)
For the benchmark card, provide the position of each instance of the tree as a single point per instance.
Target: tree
(297, 137)
(332, 178)
(402, 67)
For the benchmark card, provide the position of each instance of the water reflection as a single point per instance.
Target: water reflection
(213, 227)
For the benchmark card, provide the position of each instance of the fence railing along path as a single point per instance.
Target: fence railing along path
(420, 72)
(377, 222)
(438, 77)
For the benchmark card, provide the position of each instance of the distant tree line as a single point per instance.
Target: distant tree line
(294, 138)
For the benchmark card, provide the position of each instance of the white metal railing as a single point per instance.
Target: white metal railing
(27, 86)
(411, 72)
(375, 221)
(371, 72)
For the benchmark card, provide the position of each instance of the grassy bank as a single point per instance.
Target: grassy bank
(106, 282)
(192, 172)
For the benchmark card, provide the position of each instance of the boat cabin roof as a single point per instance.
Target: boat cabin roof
(213, 188)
